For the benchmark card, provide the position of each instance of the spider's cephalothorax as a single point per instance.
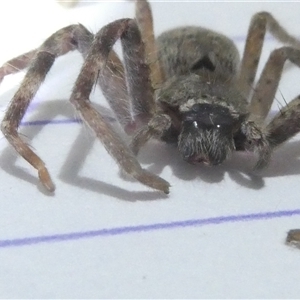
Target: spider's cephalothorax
(186, 87)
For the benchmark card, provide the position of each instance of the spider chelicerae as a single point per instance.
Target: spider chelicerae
(187, 87)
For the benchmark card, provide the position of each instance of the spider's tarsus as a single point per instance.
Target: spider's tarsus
(46, 179)
(153, 181)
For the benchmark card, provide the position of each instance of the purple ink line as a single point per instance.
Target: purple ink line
(143, 228)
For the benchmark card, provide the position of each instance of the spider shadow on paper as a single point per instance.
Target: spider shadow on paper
(156, 155)
(79, 150)
(285, 161)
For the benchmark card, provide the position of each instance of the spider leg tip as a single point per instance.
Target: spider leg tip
(46, 180)
(166, 188)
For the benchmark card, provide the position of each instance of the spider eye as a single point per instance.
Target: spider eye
(209, 116)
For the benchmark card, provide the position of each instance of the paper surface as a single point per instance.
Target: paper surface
(219, 234)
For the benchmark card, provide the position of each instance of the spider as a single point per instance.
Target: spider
(188, 87)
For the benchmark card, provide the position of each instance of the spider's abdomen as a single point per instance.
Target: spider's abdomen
(196, 49)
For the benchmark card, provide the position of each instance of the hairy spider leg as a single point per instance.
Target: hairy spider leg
(139, 90)
(264, 91)
(59, 43)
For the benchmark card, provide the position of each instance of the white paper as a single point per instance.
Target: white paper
(219, 234)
